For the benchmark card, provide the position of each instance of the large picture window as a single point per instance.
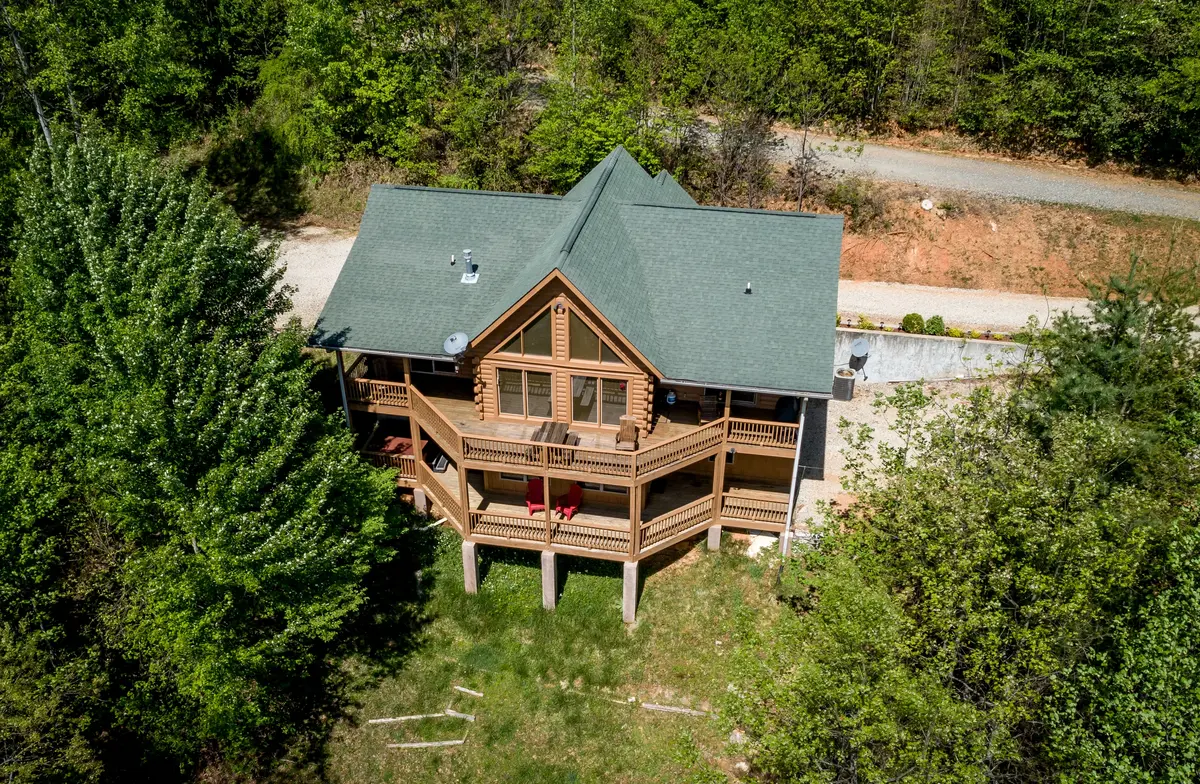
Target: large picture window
(536, 340)
(599, 400)
(585, 344)
(525, 393)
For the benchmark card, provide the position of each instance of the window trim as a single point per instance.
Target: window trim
(525, 415)
(600, 379)
(600, 487)
(433, 364)
(518, 334)
(733, 401)
(599, 361)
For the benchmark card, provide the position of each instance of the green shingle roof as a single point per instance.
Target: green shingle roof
(669, 274)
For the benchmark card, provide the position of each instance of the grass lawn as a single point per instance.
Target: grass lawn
(556, 684)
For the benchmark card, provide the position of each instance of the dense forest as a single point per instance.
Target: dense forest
(529, 93)
(191, 550)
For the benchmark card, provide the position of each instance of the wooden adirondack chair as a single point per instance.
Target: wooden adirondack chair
(535, 499)
(567, 505)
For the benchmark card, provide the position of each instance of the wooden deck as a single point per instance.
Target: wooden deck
(460, 411)
(685, 505)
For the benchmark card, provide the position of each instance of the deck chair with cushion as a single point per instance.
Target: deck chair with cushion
(534, 496)
(567, 505)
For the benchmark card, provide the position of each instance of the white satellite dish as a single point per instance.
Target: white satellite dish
(456, 343)
(927, 204)
(859, 351)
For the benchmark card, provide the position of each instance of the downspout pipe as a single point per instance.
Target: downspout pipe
(791, 510)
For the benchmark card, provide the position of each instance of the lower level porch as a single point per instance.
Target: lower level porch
(683, 504)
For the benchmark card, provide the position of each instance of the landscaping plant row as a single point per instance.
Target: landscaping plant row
(916, 324)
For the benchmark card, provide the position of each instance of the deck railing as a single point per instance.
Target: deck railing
(508, 526)
(676, 522)
(759, 432)
(358, 368)
(589, 460)
(441, 497)
(439, 427)
(754, 510)
(405, 464)
(576, 533)
(370, 391)
(504, 452)
(681, 448)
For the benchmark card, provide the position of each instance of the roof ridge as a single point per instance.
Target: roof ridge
(465, 191)
(735, 210)
(586, 211)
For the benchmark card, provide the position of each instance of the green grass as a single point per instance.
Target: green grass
(556, 684)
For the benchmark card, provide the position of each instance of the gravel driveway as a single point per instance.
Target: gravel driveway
(1030, 182)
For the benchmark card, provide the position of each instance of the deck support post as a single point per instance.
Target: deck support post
(341, 371)
(714, 538)
(549, 579)
(785, 540)
(719, 475)
(420, 500)
(470, 567)
(629, 592)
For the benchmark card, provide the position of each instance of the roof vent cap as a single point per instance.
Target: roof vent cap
(470, 270)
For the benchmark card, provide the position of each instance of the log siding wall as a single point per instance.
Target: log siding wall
(486, 360)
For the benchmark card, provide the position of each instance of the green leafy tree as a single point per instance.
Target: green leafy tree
(830, 695)
(1126, 713)
(219, 524)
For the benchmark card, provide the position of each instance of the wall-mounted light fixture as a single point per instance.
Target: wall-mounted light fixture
(560, 308)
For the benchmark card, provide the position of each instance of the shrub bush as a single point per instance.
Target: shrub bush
(865, 323)
(913, 323)
(954, 332)
(974, 334)
(935, 326)
(860, 200)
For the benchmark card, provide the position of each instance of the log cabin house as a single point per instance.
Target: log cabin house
(653, 354)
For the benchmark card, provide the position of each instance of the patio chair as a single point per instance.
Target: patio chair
(567, 505)
(535, 498)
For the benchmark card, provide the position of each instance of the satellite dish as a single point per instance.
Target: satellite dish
(456, 343)
(859, 351)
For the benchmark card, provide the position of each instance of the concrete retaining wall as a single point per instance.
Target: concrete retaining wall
(899, 356)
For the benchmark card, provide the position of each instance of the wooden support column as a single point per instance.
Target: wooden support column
(546, 502)
(407, 372)
(635, 520)
(341, 371)
(719, 470)
(464, 490)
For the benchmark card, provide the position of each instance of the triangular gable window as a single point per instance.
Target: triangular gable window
(536, 340)
(585, 344)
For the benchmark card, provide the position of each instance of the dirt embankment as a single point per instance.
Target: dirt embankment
(976, 243)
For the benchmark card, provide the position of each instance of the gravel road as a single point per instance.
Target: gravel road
(1026, 181)
(314, 257)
